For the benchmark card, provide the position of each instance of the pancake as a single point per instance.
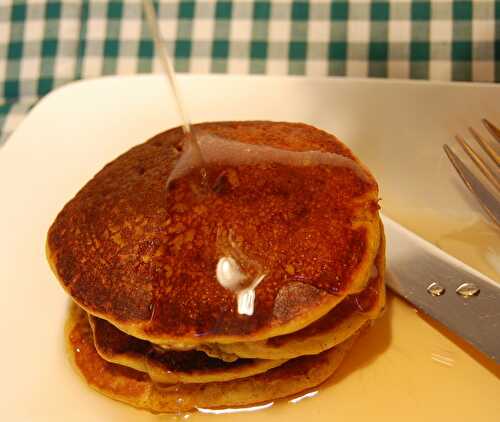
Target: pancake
(333, 328)
(146, 264)
(169, 366)
(135, 388)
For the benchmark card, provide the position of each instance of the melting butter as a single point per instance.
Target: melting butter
(229, 273)
(230, 276)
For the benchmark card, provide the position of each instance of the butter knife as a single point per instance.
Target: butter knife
(446, 289)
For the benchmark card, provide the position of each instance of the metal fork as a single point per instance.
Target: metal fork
(489, 200)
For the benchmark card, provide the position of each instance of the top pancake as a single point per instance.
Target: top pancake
(144, 259)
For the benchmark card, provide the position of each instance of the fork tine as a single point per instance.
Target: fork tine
(486, 146)
(495, 132)
(485, 169)
(489, 203)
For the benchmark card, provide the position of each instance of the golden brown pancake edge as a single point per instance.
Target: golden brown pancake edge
(136, 389)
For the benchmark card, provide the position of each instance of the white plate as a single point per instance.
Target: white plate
(404, 369)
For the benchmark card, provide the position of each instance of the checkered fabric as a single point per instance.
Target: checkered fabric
(47, 43)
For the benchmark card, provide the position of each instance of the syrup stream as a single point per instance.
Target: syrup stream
(168, 70)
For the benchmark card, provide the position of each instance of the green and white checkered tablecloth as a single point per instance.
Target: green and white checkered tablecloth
(47, 43)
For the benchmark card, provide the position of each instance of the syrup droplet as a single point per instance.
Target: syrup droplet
(152, 309)
(467, 290)
(435, 289)
(359, 304)
(181, 415)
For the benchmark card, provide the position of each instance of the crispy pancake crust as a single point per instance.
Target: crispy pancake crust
(333, 328)
(135, 388)
(146, 264)
(169, 366)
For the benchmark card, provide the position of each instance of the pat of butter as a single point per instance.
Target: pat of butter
(230, 276)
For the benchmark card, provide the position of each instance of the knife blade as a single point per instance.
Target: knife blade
(449, 291)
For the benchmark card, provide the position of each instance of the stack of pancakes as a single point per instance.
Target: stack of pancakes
(153, 326)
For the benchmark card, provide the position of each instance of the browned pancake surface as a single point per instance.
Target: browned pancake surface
(126, 253)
